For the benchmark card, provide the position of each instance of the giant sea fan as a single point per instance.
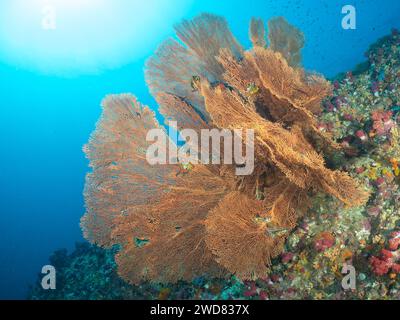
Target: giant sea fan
(172, 226)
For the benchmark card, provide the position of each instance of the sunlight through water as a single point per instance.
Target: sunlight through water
(72, 37)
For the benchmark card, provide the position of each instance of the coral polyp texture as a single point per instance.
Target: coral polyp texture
(171, 225)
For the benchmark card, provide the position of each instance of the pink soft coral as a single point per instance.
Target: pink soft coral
(383, 122)
(388, 259)
(324, 241)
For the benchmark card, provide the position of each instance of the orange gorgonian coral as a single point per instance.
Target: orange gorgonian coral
(173, 225)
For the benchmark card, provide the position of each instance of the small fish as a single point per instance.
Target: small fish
(140, 242)
(277, 232)
(252, 89)
(259, 194)
(184, 168)
(263, 220)
(195, 83)
(187, 166)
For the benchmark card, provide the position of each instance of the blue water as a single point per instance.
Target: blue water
(46, 118)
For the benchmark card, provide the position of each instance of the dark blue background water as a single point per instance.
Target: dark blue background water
(45, 120)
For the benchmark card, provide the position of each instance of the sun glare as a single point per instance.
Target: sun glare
(83, 36)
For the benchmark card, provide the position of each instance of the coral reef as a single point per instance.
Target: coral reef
(86, 273)
(89, 273)
(330, 235)
(207, 80)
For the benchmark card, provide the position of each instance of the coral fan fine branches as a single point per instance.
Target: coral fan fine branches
(172, 225)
